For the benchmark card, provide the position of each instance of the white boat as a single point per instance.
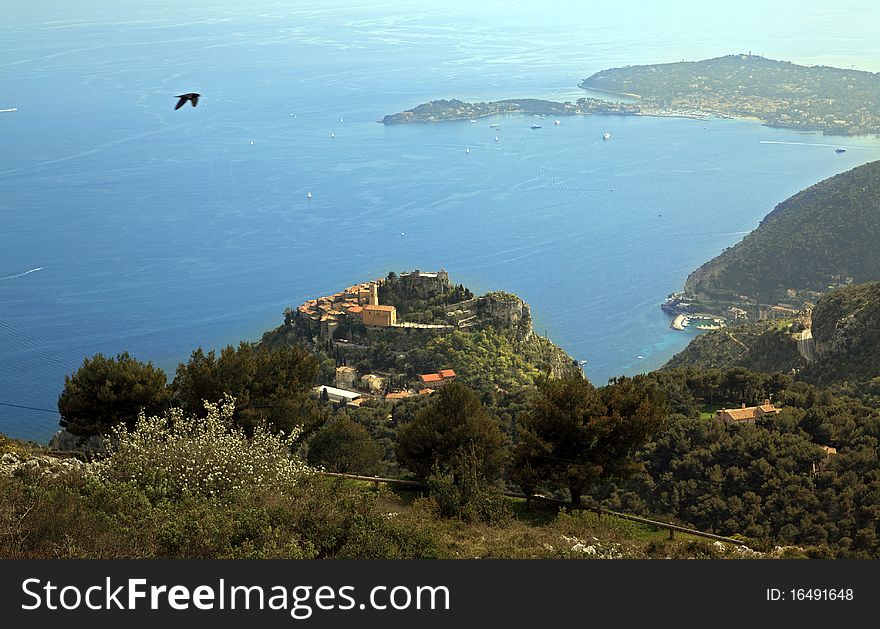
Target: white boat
(332, 136)
(494, 125)
(309, 195)
(606, 136)
(556, 122)
(535, 126)
(496, 138)
(467, 150)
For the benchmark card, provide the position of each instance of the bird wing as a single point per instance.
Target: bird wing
(180, 102)
(194, 98)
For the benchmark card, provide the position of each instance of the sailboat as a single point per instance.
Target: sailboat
(309, 195)
(467, 150)
(606, 136)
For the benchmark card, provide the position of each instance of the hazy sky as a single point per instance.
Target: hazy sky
(842, 32)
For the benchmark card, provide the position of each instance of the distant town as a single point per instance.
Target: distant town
(778, 93)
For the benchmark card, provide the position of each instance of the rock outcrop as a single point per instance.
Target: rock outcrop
(50, 466)
(506, 310)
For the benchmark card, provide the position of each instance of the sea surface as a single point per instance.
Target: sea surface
(126, 225)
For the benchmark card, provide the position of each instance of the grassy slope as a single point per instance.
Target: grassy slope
(765, 346)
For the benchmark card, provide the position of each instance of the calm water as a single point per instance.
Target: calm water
(125, 225)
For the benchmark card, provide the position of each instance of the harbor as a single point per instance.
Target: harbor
(707, 322)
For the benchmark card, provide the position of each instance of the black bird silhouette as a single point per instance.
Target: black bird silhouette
(191, 97)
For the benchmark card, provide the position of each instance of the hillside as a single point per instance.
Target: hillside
(779, 93)
(765, 346)
(487, 340)
(845, 329)
(63, 499)
(819, 237)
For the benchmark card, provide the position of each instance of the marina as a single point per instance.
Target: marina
(707, 322)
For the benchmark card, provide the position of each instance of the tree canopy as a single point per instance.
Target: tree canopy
(575, 435)
(454, 424)
(268, 385)
(345, 446)
(106, 391)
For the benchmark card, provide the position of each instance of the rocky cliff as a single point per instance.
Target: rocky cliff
(846, 329)
(505, 310)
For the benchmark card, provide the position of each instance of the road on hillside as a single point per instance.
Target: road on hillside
(806, 345)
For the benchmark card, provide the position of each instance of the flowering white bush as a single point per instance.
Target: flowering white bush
(173, 455)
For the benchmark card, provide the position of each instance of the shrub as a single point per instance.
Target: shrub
(466, 495)
(177, 455)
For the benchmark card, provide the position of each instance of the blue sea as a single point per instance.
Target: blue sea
(126, 225)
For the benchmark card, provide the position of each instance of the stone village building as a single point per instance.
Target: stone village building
(745, 414)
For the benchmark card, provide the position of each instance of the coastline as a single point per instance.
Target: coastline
(604, 91)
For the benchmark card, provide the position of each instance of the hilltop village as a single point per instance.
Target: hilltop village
(377, 336)
(360, 304)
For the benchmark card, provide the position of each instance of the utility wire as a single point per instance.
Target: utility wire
(30, 408)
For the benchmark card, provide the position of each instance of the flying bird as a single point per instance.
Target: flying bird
(192, 97)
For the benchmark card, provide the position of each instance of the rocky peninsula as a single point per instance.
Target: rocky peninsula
(442, 110)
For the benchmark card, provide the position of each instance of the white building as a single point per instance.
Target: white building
(338, 395)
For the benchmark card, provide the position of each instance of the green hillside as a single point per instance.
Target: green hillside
(846, 328)
(820, 236)
(765, 346)
(779, 93)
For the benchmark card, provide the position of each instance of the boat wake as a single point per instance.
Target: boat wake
(12, 277)
(802, 143)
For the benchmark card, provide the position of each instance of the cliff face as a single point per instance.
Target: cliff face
(505, 310)
(846, 328)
